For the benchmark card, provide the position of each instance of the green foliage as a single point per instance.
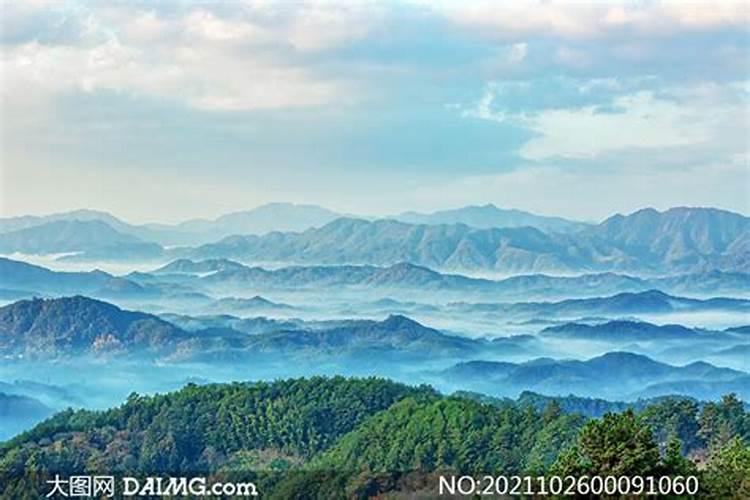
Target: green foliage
(728, 472)
(452, 434)
(674, 462)
(198, 428)
(357, 438)
(674, 418)
(721, 421)
(616, 445)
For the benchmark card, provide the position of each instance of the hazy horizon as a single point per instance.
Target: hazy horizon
(175, 111)
(382, 215)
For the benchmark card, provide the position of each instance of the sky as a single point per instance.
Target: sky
(166, 111)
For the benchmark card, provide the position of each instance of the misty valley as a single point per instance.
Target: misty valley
(470, 311)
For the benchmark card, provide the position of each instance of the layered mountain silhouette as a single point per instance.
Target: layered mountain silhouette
(184, 276)
(623, 330)
(615, 374)
(92, 239)
(29, 278)
(263, 219)
(80, 325)
(677, 240)
(20, 412)
(489, 216)
(681, 237)
(252, 304)
(647, 302)
(286, 217)
(260, 220)
(74, 326)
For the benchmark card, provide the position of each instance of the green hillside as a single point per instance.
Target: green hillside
(355, 438)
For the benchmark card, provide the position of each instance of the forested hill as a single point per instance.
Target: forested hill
(344, 438)
(298, 417)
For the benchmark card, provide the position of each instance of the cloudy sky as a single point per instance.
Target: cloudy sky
(171, 110)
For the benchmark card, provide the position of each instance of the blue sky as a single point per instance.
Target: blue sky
(172, 110)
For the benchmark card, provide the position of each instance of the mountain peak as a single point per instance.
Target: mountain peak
(489, 216)
(400, 322)
(78, 324)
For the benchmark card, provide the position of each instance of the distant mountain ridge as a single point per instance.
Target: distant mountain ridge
(187, 276)
(284, 217)
(79, 325)
(387, 242)
(259, 220)
(19, 412)
(682, 236)
(74, 326)
(613, 374)
(90, 238)
(646, 302)
(64, 236)
(620, 330)
(287, 217)
(677, 240)
(30, 278)
(489, 216)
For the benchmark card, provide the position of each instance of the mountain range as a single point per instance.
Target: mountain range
(79, 325)
(197, 280)
(647, 302)
(94, 237)
(28, 278)
(615, 374)
(74, 326)
(286, 217)
(625, 330)
(489, 216)
(677, 240)
(223, 274)
(263, 219)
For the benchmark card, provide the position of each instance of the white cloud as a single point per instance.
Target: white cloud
(709, 114)
(202, 77)
(323, 25)
(243, 58)
(202, 23)
(644, 122)
(517, 52)
(591, 19)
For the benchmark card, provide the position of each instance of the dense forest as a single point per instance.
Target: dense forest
(355, 438)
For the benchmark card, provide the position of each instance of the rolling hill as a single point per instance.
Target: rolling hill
(79, 325)
(22, 276)
(262, 219)
(287, 217)
(63, 327)
(615, 375)
(490, 216)
(89, 239)
(18, 413)
(627, 330)
(338, 438)
(621, 304)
